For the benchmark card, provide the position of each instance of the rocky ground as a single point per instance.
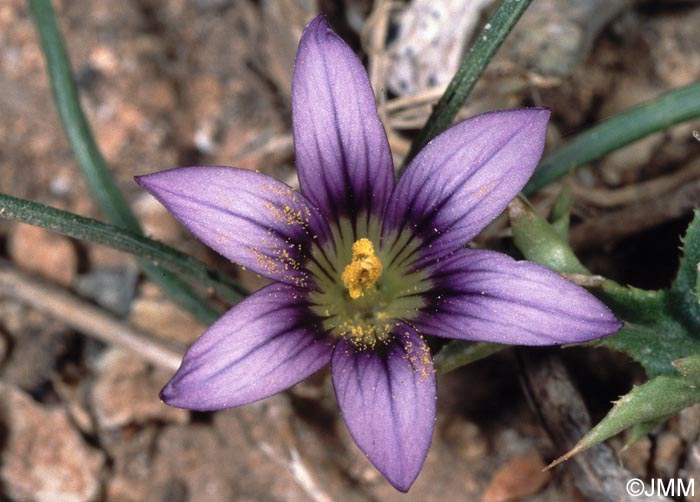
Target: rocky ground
(185, 82)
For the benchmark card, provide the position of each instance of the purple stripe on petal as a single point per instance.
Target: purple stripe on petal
(387, 397)
(465, 177)
(342, 153)
(262, 346)
(487, 296)
(250, 218)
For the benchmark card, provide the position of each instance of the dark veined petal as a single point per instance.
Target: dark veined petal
(465, 177)
(250, 218)
(262, 346)
(387, 397)
(342, 153)
(487, 296)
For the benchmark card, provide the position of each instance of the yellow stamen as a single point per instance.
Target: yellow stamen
(364, 269)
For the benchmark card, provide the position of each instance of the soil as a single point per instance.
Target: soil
(192, 82)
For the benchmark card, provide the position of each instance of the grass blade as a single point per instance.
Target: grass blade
(91, 162)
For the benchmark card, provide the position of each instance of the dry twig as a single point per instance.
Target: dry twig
(638, 192)
(86, 318)
(616, 225)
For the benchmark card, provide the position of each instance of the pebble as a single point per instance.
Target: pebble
(164, 319)
(668, 451)
(45, 253)
(521, 476)
(45, 459)
(113, 288)
(688, 423)
(636, 456)
(467, 438)
(157, 223)
(126, 392)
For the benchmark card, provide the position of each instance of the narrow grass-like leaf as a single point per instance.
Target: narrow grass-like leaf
(560, 217)
(87, 229)
(484, 48)
(91, 161)
(676, 106)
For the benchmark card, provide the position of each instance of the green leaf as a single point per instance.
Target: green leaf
(684, 296)
(654, 346)
(689, 367)
(99, 179)
(650, 402)
(87, 229)
(632, 304)
(484, 48)
(457, 353)
(674, 107)
(539, 242)
(643, 429)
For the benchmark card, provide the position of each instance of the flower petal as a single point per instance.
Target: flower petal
(487, 296)
(262, 346)
(465, 177)
(387, 397)
(250, 218)
(342, 153)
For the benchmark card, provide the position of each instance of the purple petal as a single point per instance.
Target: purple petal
(262, 346)
(465, 177)
(342, 153)
(487, 296)
(250, 218)
(387, 397)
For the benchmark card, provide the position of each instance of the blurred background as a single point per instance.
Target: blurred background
(190, 82)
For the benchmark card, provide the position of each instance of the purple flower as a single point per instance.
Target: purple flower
(364, 266)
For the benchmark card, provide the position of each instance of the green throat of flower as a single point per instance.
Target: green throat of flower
(364, 284)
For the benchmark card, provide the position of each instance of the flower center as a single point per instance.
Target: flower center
(365, 284)
(362, 272)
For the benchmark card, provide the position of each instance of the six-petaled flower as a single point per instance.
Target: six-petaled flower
(365, 266)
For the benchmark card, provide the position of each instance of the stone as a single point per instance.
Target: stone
(669, 447)
(466, 438)
(45, 253)
(44, 458)
(157, 223)
(521, 476)
(126, 392)
(636, 456)
(112, 288)
(164, 319)
(688, 423)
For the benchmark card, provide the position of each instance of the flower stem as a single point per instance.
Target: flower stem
(91, 162)
(87, 229)
(678, 105)
(458, 353)
(487, 43)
